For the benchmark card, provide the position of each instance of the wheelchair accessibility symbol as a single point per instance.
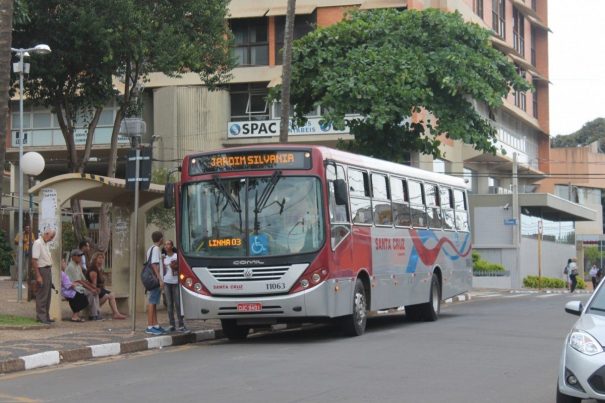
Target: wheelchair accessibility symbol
(259, 245)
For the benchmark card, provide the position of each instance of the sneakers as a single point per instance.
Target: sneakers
(172, 329)
(183, 329)
(161, 329)
(154, 331)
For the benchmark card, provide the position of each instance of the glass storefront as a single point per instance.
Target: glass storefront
(553, 231)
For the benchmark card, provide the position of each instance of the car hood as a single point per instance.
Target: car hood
(593, 324)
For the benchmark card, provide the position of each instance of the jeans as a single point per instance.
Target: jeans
(173, 300)
(574, 282)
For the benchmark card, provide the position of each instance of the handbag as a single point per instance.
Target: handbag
(148, 277)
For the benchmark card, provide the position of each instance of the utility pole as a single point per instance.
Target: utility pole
(287, 73)
(516, 273)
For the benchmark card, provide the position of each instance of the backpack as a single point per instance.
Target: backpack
(566, 270)
(148, 277)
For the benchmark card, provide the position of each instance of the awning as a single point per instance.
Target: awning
(255, 74)
(525, 9)
(537, 22)
(247, 9)
(538, 77)
(521, 62)
(371, 4)
(501, 44)
(301, 9)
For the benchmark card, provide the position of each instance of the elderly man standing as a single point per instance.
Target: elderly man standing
(74, 272)
(42, 265)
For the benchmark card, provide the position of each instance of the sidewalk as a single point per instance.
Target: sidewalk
(66, 335)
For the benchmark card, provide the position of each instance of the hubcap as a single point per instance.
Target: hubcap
(435, 299)
(360, 308)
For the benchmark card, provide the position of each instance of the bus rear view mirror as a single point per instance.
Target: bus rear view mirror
(340, 192)
(169, 195)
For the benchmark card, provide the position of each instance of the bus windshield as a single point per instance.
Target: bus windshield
(260, 216)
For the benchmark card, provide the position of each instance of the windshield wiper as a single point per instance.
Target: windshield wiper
(230, 199)
(260, 203)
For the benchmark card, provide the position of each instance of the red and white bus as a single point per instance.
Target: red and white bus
(284, 233)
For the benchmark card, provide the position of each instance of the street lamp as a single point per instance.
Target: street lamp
(134, 128)
(22, 68)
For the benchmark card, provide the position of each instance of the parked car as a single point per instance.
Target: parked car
(582, 367)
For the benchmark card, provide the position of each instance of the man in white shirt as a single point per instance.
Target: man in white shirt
(42, 265)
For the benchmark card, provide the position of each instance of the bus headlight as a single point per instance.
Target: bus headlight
(315, 278)
(197, 287)
(188, 282)
(304, 283)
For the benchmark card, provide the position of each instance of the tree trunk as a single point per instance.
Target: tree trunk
(6, 28)
(286, 76)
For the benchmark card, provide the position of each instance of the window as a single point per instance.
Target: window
(534, 100)
(532, 42)
(359, 190)
(249, 101)
(520, 98)
(470, 177)
(447, 207)
(417, 207)
(401, 202)
(498, 15)
(381, 201)
(339, 215)
(432, 205)
(251, 43)
(461, 210)
(303, 24)
(439, 166)
(519, 32)
(478, 7)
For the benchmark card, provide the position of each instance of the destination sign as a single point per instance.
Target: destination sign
(224, 243)
(238, 161)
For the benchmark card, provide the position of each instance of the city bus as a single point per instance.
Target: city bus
(300, 233)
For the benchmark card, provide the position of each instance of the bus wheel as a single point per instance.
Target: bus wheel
(429, 311)
(233, 331)
(355, 324)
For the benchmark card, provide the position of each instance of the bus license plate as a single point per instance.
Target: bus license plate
(250, 307)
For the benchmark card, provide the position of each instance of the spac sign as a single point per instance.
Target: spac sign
(270, 128)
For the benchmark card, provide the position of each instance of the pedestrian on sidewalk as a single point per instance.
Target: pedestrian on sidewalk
(28, 240)
(83, 286)
(171, 287)
(42, 264)
(95, 275)
(594, 272)
(84, 247)
(573, 274)
(154, 256)
(77, 301)
(566, 277)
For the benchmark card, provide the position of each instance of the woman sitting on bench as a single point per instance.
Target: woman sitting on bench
(95, 275)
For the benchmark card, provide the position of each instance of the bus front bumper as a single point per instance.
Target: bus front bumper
(330, 299)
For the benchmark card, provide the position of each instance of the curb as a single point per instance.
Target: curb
(56, 357)
(550, 291)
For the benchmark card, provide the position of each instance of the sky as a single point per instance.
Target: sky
(576, 63)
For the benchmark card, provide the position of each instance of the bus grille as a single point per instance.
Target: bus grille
(248, 273)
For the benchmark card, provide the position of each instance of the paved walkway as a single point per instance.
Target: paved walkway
(67, 335)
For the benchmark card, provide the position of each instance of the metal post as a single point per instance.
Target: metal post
(133, 254)
(20, 228)
(516, 273)
(540, 232)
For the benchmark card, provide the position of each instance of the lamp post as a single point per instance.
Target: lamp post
(22, 68)
(134, 128)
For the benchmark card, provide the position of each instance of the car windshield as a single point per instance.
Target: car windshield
(266, 216)
(597, 305)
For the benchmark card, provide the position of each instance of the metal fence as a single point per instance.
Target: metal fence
(478, 273)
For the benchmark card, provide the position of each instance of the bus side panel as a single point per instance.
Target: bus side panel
(362, 252)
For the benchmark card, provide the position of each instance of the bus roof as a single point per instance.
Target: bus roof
(356, 159)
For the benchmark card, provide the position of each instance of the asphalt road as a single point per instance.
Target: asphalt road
(495, 349)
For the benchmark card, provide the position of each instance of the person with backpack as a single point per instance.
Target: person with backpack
(566, 277)
(154, 260)
(572, 268)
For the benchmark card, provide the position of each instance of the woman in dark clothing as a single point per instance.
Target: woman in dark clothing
(95, 275)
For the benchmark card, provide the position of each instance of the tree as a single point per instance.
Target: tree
(95, 41)
(159, 216)
(589, 133)
(284, 124)
(390, 66)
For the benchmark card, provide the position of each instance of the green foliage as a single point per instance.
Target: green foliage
(6, 254)
(12, 320)
(68, 237)
(481, 266)
(550, 282)
(386, 64)
(158, 215)
(589, 133)
(592, 254)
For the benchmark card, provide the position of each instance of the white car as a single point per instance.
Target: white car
(582, 367)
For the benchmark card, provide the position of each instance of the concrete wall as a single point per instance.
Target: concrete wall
(554, 257)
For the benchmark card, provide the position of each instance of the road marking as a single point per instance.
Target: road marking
(548, 295)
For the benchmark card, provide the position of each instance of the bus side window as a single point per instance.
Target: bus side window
(417, 206)
(447, 207)
(339, 214)
(359, 191)
(380, 201)
(432, 205)
(401, 205)
(461, 210)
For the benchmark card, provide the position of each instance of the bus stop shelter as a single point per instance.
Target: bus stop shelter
(55, 193)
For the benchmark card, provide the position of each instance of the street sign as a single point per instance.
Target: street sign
(144, 169)
(510, 221)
